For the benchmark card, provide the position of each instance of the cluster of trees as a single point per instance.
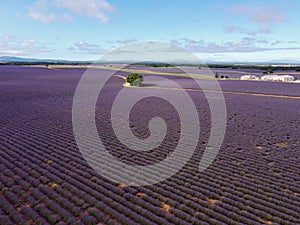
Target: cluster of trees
(260, 67)
(217, 76)
(134, 79)
(268, 71)
(154, 64)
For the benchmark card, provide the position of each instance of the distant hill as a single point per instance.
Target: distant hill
(12, 59)
(275, 62)
(19, 60)
(283, 62)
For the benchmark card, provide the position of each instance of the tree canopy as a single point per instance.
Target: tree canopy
(134, 79)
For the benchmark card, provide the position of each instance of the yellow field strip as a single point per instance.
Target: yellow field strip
(118, 69)
(223, 91)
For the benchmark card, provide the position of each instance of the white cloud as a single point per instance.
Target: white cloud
(40, 10)
(241, 30)
(126, 41)
(61, 10)
(246, 41)
(92, 8)
(276, 43)
(246, 44)
(15, 45)
(264, 30)
(232, 29)
(49, 17)
(86, 48)
(261, 14)
(262, 41)
(11, 52)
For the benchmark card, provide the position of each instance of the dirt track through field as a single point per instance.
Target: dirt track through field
(224, 91)
(229, 92)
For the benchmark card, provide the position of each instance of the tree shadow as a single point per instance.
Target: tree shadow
(149, 85)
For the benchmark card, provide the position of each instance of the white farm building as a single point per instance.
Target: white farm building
(249, 77)
(282, 78)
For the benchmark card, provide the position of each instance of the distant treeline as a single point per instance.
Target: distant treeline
(229, 66)
(44, 63)
(153, 64)
(159, 64)
(260, 67)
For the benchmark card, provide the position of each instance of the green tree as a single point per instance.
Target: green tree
(268, 71)
(216, 75)
(134, 79)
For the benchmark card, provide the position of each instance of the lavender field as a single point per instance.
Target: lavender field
(255, 178)
(231, 73)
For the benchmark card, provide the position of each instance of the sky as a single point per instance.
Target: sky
(215, 30)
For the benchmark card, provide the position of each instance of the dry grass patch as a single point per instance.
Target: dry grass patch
(53, 185)
(213, 201)
(282, 144)
(265, 221)
(140, 194)
(121, 185)
(165, 207)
